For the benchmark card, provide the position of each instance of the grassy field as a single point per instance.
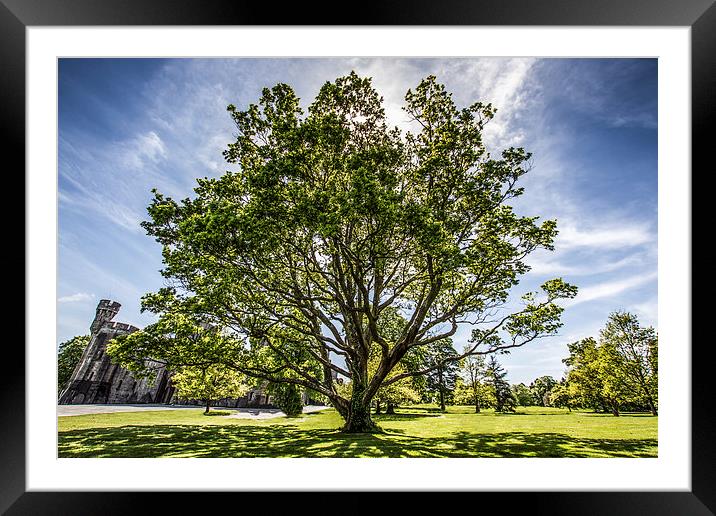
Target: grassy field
(412, 432)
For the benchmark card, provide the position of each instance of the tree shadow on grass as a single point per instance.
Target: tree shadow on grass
(427, 409)
(289, 441)
(380, 418)
(622, 414)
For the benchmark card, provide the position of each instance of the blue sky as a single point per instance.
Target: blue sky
(129, 125)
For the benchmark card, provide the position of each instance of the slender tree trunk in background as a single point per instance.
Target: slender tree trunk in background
(442, 393)
(615, 410)
(652, 407)
(377, 407)
(390, 409)
(477, 400)
(208, 406)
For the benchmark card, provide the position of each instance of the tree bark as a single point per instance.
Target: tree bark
(442, 393)
(390, 409)
(358, 420)
(208, 406)
(615, 410)
(377, 407)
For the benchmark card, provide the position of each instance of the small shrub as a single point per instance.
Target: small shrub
(217, 413)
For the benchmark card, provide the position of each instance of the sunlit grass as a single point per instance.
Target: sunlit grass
(420, 431)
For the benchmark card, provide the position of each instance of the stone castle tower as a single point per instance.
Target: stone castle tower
(97, 380)
(106, 310)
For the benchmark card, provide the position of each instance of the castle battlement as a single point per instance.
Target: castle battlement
(120, 326)
(109, 304)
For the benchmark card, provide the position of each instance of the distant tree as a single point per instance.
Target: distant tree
(441, 357)
(465, 395)
(286, 397)
(523, 395)
(69, 354)
(561, 396)
(504, 400)
(619, 370)
(583, 376)
(637, 348)
(473, 374)
(395, 394)
(540, 387)
(209, 384)
(616, 390)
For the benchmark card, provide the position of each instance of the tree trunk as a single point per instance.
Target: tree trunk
(477, 400)
(358, 419)
(390, 409)
(208, 406)
(615, 410)
(649, 400)
(442, 393)
(377, 407)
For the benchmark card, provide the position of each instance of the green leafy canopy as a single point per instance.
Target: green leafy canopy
(331, 218)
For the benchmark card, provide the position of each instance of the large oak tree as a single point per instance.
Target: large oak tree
(331, 217)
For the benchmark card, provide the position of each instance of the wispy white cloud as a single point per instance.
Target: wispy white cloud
(75, 298)
(142, 149)
(604, 237)
(610, 289)
(542, 265)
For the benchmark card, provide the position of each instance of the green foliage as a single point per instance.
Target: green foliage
(330, 220)
(562, 396)
(504, 399)
(440, 357)
(177, 340)
(69, 354)
(481, 395)
(208, 383)
(523, 395)
(619, 370)
(540, 388)
(472, 374)
(287, 397)
(217, 413)
(635, 350)
(396, 393)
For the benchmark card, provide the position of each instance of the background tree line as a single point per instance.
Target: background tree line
(618, 372)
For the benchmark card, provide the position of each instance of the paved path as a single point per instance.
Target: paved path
(244, 413)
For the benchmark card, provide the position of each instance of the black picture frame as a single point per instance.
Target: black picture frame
(700, 15)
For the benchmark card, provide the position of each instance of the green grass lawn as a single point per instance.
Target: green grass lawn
(413, 432)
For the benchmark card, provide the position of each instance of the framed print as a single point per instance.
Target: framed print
(72, 76)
